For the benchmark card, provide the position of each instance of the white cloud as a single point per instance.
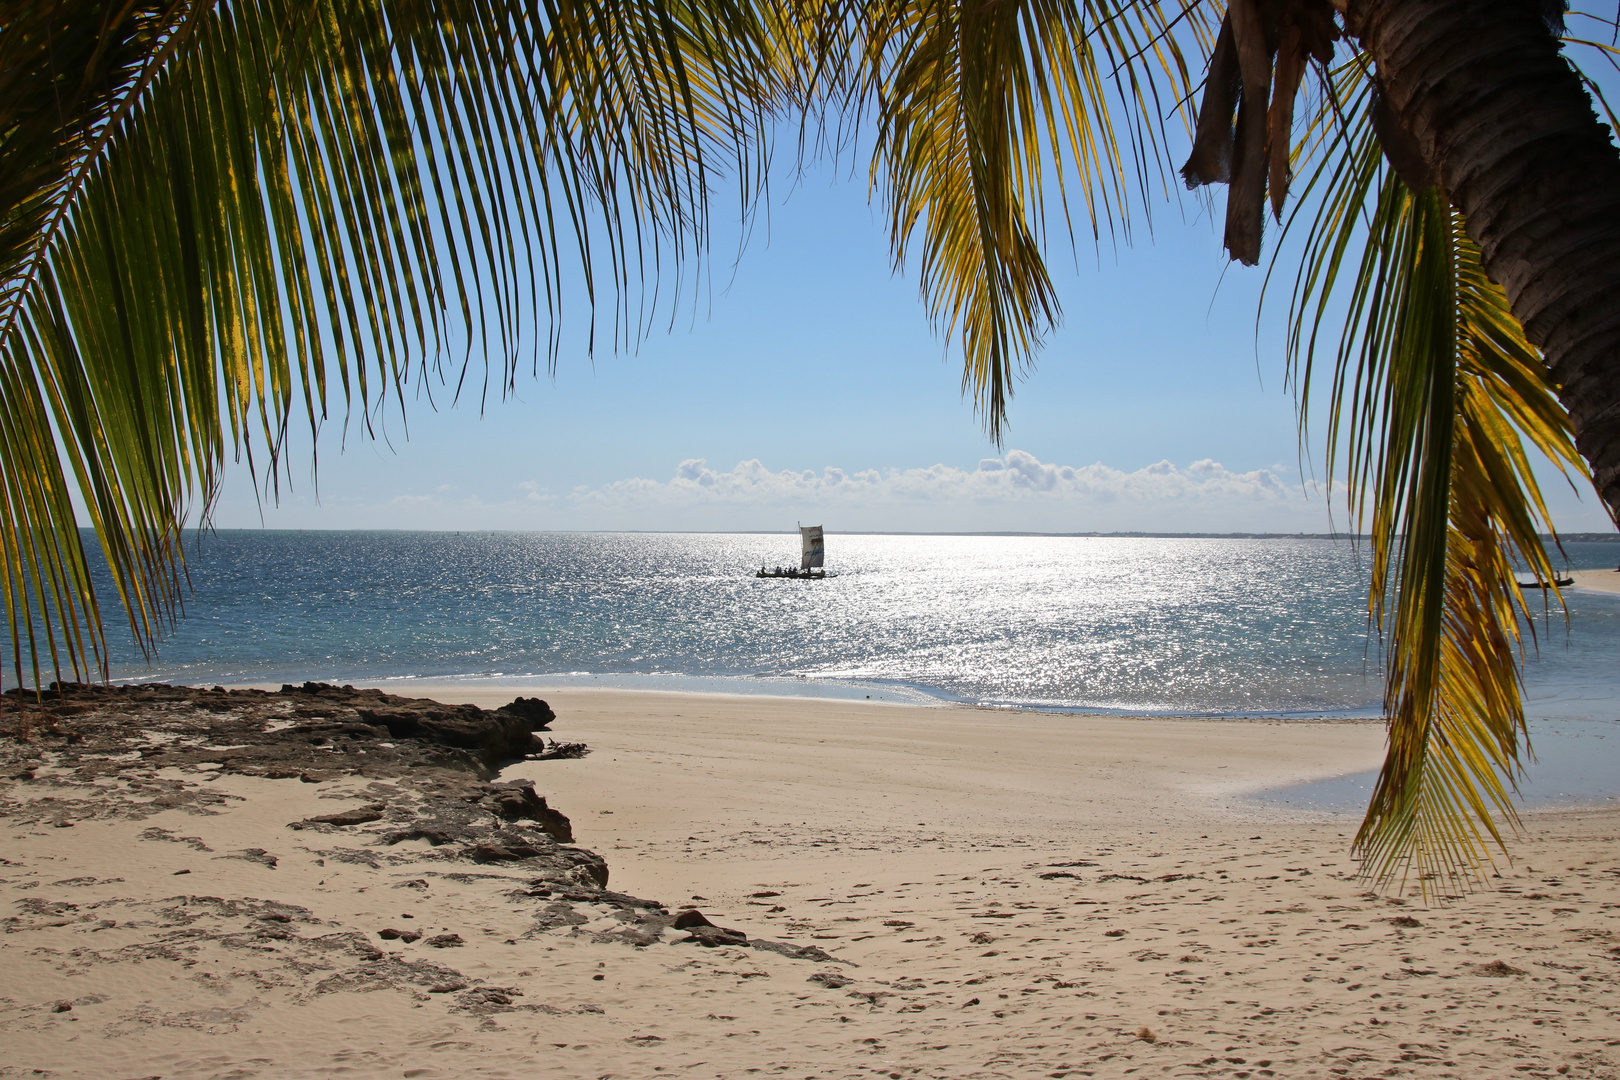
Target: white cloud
(1017, 492)
(1013, 493)
(533, 493)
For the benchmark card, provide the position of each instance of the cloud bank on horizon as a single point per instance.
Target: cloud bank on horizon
(1014, 493)
(1017, 492)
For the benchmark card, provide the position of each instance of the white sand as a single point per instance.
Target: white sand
(1607, 581)
(1017, 895)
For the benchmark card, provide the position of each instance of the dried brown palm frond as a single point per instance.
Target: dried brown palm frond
(1255, 71)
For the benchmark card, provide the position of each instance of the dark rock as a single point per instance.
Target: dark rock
(510, 851)
(714, 936)
(62, 1007)
(488, 995)
(195, 843)
(588, 865)
(491, 823)
(434, 836)
(253, 855)
(495, 737)
(536, 713)
(407, 936)
(332, 724)
(548, 889)
(515, 800)
(357, 816)
(830, 979)
(352, 943)
(798, 952)
(381, 970)
(556, 915)
(688, 918)
(445, 941)
(638, 936)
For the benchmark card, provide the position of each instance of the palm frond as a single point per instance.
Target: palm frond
(1434, 391)
(977, 107)
(255, 201)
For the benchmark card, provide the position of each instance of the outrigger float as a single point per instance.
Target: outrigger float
(813, 553)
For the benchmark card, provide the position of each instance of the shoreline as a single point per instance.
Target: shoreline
(996, 895)
(1264, 795)
(487, 687)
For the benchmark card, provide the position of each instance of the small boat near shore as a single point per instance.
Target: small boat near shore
(1558, 581)
(812, 554)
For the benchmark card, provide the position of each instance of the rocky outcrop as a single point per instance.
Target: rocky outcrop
(492, 737)
(536, 713)
(462, 818)
(418, 771)
(315, 731)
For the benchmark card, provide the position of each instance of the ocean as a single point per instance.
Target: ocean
(1147, 626)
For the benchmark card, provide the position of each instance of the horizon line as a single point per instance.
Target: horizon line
(1572, 537)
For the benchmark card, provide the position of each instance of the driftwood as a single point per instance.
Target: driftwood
(556, 751)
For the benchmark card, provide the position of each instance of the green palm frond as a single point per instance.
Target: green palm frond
(977, 105)
(221, 218)
(69, 76)
(1434, 394)
(215, 212)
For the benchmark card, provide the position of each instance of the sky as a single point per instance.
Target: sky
(806, 384)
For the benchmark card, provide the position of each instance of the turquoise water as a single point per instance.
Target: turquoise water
(1575, 763)
(1262, 627)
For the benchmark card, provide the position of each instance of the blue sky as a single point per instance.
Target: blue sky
(808, 385)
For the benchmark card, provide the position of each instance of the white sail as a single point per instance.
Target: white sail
(813, 545)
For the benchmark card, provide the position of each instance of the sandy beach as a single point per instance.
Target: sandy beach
(920, 892)
(1605, 581)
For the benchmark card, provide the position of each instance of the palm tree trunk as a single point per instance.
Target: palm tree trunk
(1509, 129)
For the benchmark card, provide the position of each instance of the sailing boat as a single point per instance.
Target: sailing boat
(812, 555)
